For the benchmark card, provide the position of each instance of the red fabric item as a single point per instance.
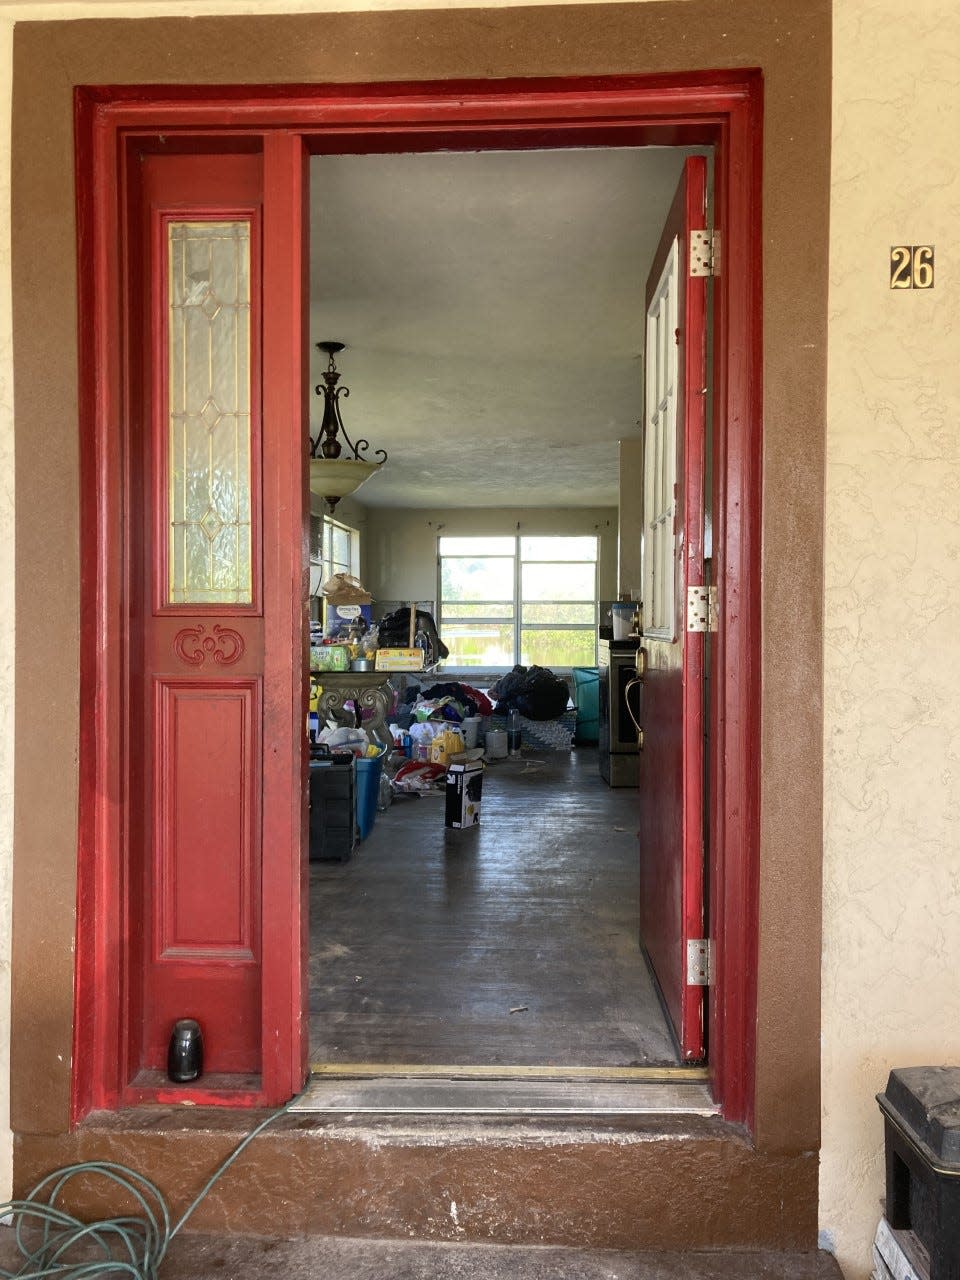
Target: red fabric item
(484, 705)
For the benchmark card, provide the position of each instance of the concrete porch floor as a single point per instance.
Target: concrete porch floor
(243, 1258)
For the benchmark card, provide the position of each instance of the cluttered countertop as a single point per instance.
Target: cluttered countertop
(349, 639)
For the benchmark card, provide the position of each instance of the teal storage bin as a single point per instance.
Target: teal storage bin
(368, 769)
(586, 682)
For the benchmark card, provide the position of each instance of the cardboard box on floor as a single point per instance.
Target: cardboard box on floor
(464, 786)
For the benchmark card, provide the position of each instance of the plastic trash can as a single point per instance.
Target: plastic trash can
(586, 683)
(921, 1115)
(369, 769)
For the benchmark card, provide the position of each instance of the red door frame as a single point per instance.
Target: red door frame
(722, 109)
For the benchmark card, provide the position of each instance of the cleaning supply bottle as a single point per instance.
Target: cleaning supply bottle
(513, 731)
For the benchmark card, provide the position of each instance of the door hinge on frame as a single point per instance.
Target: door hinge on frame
(704, 253)
(699, 962)
(702, 608)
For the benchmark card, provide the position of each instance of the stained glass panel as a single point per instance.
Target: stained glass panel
(210, 541)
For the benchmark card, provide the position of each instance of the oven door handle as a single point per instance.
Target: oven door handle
(638, 680)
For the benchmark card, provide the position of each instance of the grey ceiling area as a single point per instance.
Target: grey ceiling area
(492, 307)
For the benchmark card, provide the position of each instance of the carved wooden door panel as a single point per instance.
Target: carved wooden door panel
(197, 630)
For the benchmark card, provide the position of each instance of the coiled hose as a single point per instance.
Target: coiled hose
(132, 1245)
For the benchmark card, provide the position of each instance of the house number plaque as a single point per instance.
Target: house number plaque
(911, 266)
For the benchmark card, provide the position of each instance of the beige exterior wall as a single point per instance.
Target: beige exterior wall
(892, 647)
(892, 697)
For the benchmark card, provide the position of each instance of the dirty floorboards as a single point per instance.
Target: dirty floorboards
(512, 943)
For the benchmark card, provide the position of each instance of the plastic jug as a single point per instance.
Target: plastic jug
(447, 743)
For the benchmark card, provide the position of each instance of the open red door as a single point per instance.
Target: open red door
(671, 661)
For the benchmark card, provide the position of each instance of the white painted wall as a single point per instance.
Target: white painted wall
(400, 557)
(630, 527)
(892, 653)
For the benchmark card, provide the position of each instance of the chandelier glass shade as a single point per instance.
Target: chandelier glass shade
(336, 471)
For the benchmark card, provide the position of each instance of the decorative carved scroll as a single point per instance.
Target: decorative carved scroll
(194, 645)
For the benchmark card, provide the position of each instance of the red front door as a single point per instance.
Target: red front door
(671, 660)
(198, 648)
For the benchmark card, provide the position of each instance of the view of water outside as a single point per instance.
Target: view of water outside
(531, 600)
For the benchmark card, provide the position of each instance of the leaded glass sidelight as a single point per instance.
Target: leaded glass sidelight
(210, 543)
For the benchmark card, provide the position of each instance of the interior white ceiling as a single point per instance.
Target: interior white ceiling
(492, 307)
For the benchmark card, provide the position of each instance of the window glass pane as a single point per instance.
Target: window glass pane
(341, 546)
(477, 546)
(555, 579)
(488, 610)
(208, 379)
(559, 611)
(558, 648)
(479, 644)
(558, 548)
(559, 582)
(476, 579)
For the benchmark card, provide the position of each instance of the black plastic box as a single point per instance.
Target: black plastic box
(333, 816)
(921, 1114)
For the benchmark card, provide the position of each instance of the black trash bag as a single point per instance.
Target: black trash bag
(536, 692)
(395, 633)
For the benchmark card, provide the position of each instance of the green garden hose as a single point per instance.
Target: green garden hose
(54, 1243)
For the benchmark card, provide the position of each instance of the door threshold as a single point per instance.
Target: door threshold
(507, 1071)
(437, 1094)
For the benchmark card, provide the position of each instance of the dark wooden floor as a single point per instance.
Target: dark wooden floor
(513, 943)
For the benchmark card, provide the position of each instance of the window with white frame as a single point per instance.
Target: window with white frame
(531, 600)
(660, 456)
(334, 548)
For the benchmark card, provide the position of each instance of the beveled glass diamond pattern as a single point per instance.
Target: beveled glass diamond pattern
(211, 413)
(210, 523)
(211, 305)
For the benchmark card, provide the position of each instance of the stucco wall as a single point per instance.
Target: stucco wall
(892, 636)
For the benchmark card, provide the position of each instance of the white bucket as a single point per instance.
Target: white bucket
(471, 728)
(622, 615)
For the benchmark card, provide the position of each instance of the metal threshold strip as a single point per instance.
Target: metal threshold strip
(391, 1089)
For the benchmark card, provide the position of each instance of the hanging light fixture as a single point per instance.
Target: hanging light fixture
(333, 472)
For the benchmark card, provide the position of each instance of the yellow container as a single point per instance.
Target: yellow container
(444, 745)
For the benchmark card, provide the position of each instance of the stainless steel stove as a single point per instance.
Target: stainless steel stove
(617, 661)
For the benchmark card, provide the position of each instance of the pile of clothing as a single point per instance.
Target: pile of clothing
(449, 700)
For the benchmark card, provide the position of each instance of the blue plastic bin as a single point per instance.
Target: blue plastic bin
(586, 681)
(368, 769)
